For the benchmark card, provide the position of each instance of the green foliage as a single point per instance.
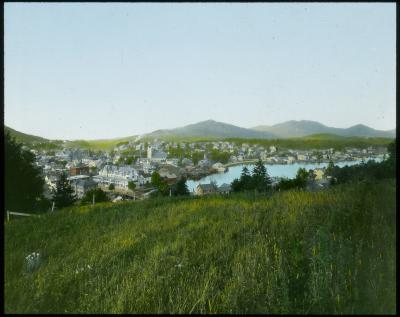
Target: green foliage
(367, 171)
(259, 179)
(180, 188)
(122, 143)
(196, 157)
(131, 185)
(130, 160)
(160, 184)
(328, 252)
(329, 168)
(23, 190)
(22, 137)
(111, 187)
(321, 141)
(99, 196)
(299, 182)
(218, 156)
(63, 195)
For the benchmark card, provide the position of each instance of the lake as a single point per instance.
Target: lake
(274, 170)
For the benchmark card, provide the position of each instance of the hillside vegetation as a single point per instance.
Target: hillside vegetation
(23, 137)
(296, 252)
(319, 141)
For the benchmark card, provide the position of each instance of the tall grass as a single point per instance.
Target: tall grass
(295, 252)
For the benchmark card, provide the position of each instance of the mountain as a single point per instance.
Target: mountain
(23, 137)
(290, 129)
(211, 129)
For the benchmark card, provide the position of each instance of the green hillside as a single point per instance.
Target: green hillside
(23, 137)
(296, 252)
(320, 141)
(106, 144)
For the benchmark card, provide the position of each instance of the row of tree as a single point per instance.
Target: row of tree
(370, 170)
(258, 180)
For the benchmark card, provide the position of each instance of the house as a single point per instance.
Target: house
(219, 167)
(120, 176)
(319, 173)
(204, 189)
(318, 184)
(155, 155)
(186, 162)
(302, 157)
(79, 169)
(224, 188)
(204, 163)
(83, 185)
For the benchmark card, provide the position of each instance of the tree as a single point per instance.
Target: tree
(131, 185)
(236, 185)
(245, 179)
(99, 196)
(391, 160)
(63, 195)
(159, 183)
(180, 188)
(130, 160)
(196, 157)
(301, 177)
(260, 178)
(329, 169)
(111, 187)
(23, 184)
(156, 179)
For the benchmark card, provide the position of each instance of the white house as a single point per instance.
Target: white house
(120, 176)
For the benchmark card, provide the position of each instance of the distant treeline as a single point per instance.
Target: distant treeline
(318, 142)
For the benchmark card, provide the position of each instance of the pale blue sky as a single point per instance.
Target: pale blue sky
(111, 70)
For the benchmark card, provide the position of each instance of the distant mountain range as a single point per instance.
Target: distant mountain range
(213, 129)
(219, 130)
(289, 129)
(293, 129)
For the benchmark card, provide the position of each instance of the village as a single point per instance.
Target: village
(136, 161)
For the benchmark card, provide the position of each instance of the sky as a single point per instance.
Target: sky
(106, 70)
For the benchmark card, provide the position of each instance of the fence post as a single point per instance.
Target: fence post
(8, 216)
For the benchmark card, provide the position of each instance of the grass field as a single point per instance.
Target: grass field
(296, 252)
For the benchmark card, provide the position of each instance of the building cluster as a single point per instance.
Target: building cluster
(88, 169)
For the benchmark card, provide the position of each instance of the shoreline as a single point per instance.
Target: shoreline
(253, 161)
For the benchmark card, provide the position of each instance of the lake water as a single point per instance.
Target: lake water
(274, 170)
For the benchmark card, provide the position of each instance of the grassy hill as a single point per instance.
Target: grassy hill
(23, 137)
(106, 144)
(320, 141)
(296, 252)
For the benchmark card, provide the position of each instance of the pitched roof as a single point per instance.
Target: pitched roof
(206, 187)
